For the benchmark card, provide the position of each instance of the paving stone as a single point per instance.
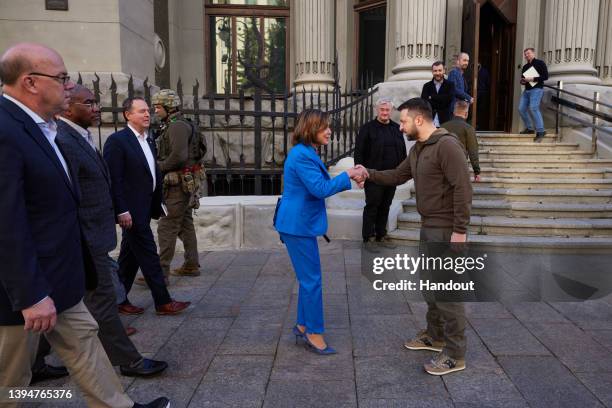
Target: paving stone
(397, 377)
(603, 337)
(217, 261)
(544, 382)
(507, 337)
(319, 394)
(237, 273)
(494, 404)
(482, 388)
(598, 384)
(573, 347)
(253, 341)
(380, 335)
(193, 344)
(251, 258)
(593, 314)
(254, 318)
(486, 310)
(365, 300)
(294, 362)
(352, 256)
(535, 312)
(433, 402)
(234, 381)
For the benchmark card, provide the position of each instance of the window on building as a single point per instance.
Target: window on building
(247, 45)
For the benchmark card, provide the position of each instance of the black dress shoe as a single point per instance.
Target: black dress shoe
(48, 372)
(162, 402)
(143, 368)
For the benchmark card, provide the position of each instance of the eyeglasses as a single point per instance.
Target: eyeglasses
(90, 104)
(63, 79)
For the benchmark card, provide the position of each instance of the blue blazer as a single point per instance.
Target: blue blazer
(306, 185)
(132, 184)
(41, 248)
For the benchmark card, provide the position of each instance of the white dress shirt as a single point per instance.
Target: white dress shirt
(146, 149)
(49, 129)
(438, 85)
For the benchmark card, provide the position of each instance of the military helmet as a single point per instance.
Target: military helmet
(166, 97)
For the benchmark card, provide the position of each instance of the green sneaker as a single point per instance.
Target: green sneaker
(423, 341)
(443, 364)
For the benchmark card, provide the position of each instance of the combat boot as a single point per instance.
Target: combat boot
(187, 270)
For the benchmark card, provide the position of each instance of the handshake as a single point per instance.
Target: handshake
(359, 174)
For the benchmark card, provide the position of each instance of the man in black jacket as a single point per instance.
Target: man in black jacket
(380, 145)
(532, 95)
(439, 93)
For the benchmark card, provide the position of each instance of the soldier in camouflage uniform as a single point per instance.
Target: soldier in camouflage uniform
(179, 158)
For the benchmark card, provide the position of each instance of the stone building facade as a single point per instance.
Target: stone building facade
(307, 41)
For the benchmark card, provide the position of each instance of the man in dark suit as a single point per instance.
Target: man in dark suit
(379, 145)
(46, 266)
(439, 92)
(98, 224)
(137, 197)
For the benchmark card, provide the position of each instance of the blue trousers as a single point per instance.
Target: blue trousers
(530, 103)
(304, 254)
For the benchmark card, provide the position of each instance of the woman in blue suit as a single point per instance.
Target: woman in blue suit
(301, 218)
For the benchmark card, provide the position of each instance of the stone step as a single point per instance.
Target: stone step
(533, 155)
(556, 173)
(558, 183)
(410, 236)
(544, 163)
(573, 196)
(496, 225)
(527, 146)
(527, 210)
(514, 137)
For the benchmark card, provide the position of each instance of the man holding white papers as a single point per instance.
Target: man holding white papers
(534, 73)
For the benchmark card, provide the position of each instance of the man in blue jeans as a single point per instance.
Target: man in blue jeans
(532, 95)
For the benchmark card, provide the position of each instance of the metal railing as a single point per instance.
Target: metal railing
(248, 135)
(593, 111)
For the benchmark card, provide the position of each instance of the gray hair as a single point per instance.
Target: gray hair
(383, 100)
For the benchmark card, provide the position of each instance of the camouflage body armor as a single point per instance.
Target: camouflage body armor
(192, 175)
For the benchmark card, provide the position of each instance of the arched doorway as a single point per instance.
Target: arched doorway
(489, 31)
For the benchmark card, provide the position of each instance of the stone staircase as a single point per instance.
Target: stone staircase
(550, 194)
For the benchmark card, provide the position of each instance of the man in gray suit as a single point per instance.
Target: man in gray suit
(97, 218)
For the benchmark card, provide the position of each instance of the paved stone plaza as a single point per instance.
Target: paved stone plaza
(234, 348)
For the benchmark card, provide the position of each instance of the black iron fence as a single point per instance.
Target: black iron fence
(248, 136)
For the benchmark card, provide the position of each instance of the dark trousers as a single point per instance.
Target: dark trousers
(376, 211)
(445, 320)
(138, 250)
(102, 305)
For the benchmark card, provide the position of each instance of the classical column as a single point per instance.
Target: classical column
(419, 37)
(314, 40)
(603, 62)
(570, 38)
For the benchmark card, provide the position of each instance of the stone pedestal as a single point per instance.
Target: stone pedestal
(314, 39)
(419, 37)
(570, 38)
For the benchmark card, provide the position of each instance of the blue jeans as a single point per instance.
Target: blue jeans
(530, 102)
(304, 254)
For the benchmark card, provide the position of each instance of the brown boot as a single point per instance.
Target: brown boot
(187, 270)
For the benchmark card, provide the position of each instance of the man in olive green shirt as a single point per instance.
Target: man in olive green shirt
(466, 134)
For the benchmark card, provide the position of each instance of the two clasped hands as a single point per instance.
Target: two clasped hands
(359, 174)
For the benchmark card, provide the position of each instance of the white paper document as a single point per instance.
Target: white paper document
(531, 73)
